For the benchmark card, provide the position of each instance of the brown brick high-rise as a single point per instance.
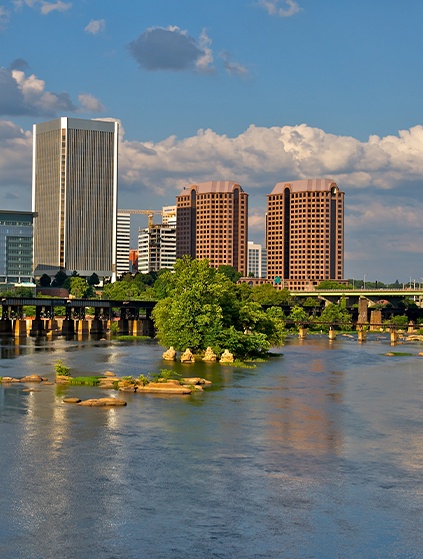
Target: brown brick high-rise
(212, 223)
(305, 233)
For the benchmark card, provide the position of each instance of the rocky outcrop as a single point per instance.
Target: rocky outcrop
(170, 354)
(227, 357)
(209, 355)
(164, 388)
(187, 357)
(102, 402)
(26, 379)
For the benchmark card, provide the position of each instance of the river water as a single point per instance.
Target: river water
(317, 453)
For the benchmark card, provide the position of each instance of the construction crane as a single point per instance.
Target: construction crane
(150, 214)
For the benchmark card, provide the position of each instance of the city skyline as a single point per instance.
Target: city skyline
(255, 92)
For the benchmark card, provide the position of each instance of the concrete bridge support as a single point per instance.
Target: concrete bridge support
(82, 326)
(332, 334)
(6, 326)
(361, 336)
(19, 328)
(38, 328)
(68, 326)
(302, 333)
(96, 326)
(394, 336)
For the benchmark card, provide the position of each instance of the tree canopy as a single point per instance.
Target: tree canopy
(200, 307)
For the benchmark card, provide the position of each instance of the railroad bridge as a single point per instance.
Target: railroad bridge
(132, 317)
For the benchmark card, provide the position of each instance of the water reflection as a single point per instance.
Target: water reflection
(316, 453)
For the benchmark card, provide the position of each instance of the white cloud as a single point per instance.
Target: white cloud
(233, 68)
(260, 157)
(26, 95)
(90, 103)
(96, 26)
(281, 8)
(43, 6)
(204, 62)
(382, 178)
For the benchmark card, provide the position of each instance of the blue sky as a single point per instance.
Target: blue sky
(257, 91)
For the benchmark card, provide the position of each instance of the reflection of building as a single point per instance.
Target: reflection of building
(74, 192)
(15, 246)
(305, 233)
(157, 243)
(257, 260)
(212, 223)
(123, 243)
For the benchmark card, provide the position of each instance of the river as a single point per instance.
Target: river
(314, 454)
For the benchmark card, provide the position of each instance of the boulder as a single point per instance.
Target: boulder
(109, 374)
(71, 400)
(187, 357)
(32, 378)
(102, 402)
(170, 354)
(164, 388)
(227, 357)
(209, 355)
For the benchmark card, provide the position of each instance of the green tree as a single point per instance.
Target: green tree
(332, 284)
(59, 279)
(93, 279)
(267, 294)
(335, 315)
(79, 287)
(45, 280)
(229, 272)
(201, 307)
(298, 315)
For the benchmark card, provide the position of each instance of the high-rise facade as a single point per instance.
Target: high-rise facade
(74, 193)
(212, 223)
(123, 243)
(305, 233)
(257, 260)
(15, 246)
(157, 243)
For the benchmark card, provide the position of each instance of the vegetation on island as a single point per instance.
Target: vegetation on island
(201, 307)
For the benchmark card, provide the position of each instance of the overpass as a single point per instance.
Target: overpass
(393, 296)
(132, 316)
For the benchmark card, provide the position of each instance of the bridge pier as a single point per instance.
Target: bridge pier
(68, 326)
(302, 333)
(82, 326)
(19, 328)
(393, 336)
(6, 326)
(332, 334)
(37, 328)
(123, 326)
(96, 326)
(361, 335)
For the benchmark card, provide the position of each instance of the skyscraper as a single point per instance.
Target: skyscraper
(15, 246)
(157, 243)
(212, 223)
(123, 243)
(257, 260)
(74, 193)
(305, 233)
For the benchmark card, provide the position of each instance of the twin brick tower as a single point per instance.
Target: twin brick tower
(75, 189)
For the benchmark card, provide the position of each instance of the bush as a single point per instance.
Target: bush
(61, 369)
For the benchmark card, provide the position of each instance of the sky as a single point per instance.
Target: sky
(255, 91)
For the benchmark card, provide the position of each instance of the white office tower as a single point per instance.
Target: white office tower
(257, 260)
(74, 196)
(157, 243)
(123, 243)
